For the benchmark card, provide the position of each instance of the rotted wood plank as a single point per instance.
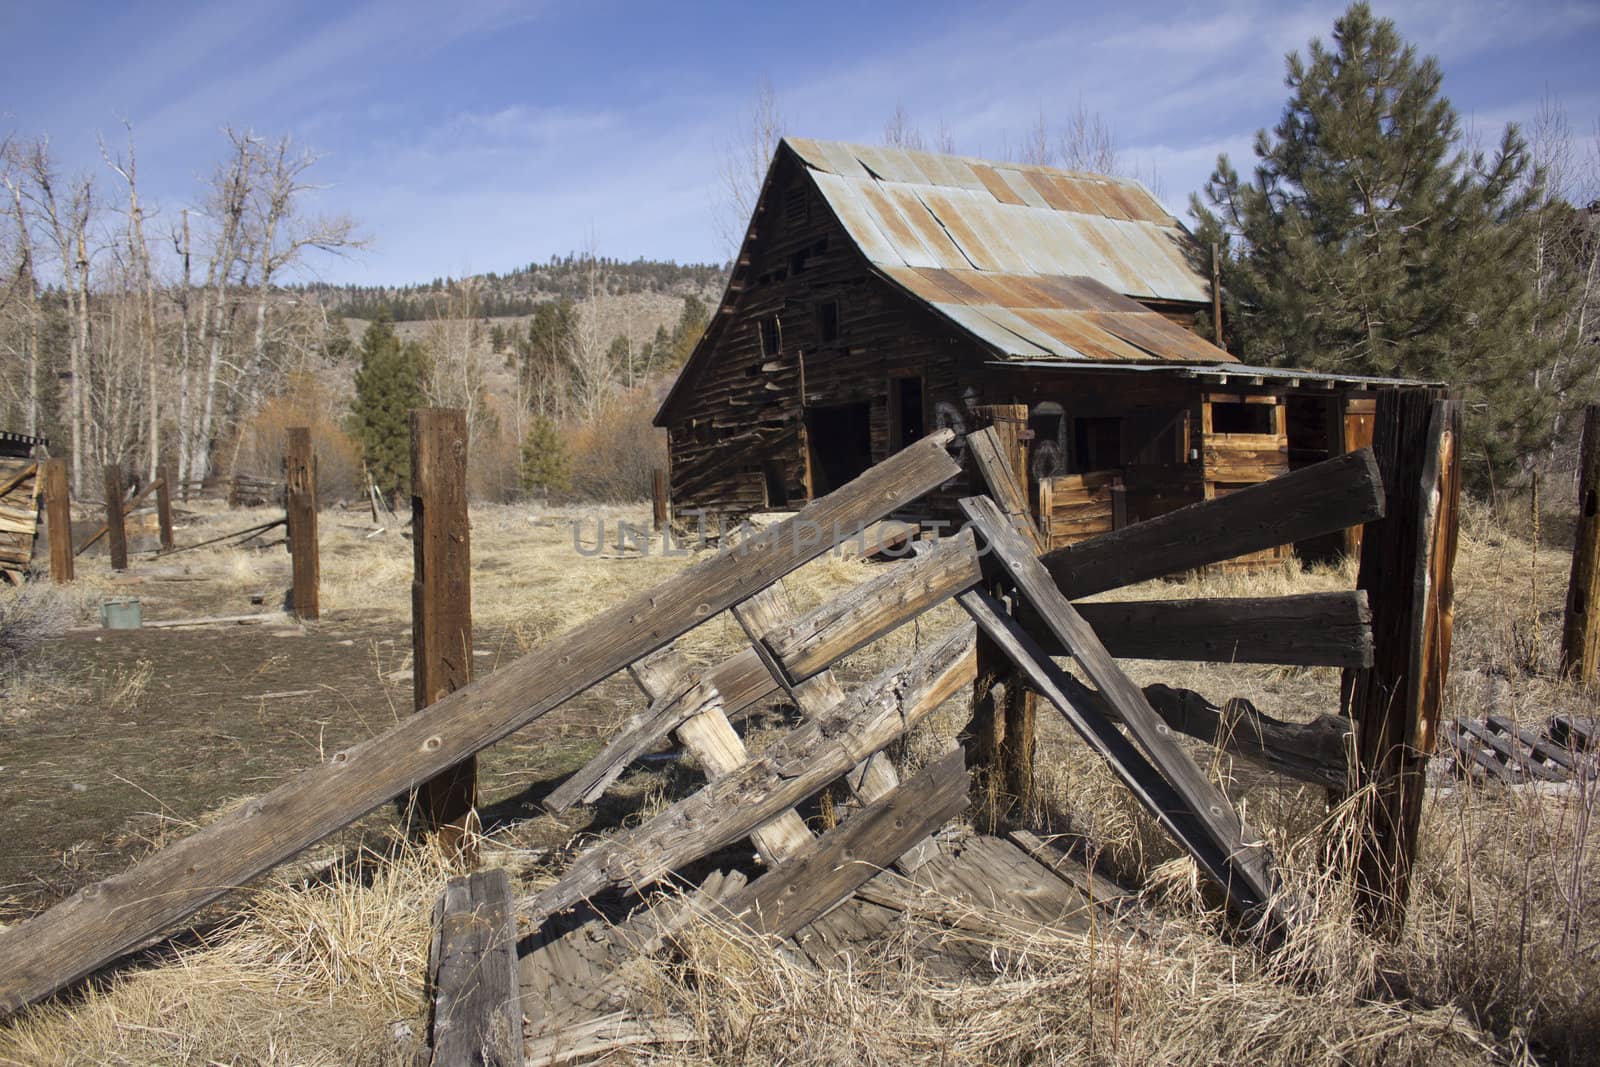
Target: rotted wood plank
(797, 766)
(476, 1009)
(105, 919)
(803, 647)
(841, 860)
(1511, 752)
(1542, 748)
(1314, 500)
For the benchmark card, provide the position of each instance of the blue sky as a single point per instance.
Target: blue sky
(487, 135)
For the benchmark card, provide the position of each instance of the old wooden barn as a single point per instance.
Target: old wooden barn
(880, 292)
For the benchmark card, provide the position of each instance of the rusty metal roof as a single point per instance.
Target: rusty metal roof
(1035, 262)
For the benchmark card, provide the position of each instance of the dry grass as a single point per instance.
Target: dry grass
(1500, 961)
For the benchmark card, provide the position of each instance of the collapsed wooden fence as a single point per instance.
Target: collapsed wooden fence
(1022, 618)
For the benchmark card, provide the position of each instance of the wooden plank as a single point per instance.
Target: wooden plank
(58, 511)
(476, 1010)
(808, 645)
(816, 696)
(441, 595)
(1580, 632)
(795, 767)
(116, 530)
(1473, 756)
(1511, 752)
(1310, 630)
(639, 735)
(16, 478)
(995, 462)
(105, 919)
(1181, 816)
(720, 750)
(659, 514)
(1406, 560)
(1293, 507)
(164, 507)
(1541, 748)
(300, 511)
(840, 861)
(582, 1042)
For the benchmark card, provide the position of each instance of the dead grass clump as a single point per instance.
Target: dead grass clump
(330, 972)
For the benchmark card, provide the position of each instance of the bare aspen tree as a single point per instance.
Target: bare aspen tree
(23, 291)
(144, 275)
(453, 376)
(590, 359)
(745, 158)
(1085, 142)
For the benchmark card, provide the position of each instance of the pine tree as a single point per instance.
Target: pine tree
(388, 386)
(1371, 241)
(544, 465)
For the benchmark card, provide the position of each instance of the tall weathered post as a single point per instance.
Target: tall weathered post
(300, 505)
(1406, 562)
(1580, 635)
(58, 513)
(116, 529)
(441, 605)
(1001, 736)
(164, 507)
(658, 499)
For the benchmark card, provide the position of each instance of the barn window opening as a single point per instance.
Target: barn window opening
(797, 261)
(828, 320)
(777, 484)
(796, 207)
(905, 412)
(769, 335)
(1229, 417)
(841, 444)
(1097, 444)
(1048, 422)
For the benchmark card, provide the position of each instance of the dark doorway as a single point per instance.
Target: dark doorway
(905, 412)
(776, 482)
(841, 445)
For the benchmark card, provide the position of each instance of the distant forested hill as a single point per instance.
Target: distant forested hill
(520, 291)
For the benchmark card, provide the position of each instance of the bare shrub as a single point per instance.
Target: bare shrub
(614, 452)
(262, 439)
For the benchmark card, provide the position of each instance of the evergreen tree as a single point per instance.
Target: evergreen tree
(692, 322)
(1371, 241)
(388, 386)
(544, 466)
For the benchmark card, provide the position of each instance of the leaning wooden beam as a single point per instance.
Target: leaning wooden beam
(639, 735)
(794, 768)
(1244, 872)
(16, 479)
(1182, 818)
(1309, 630)
(990, 456)
(103, 920)
(105, 527)
(839, 862)
(476, 1009)
(1327, 496)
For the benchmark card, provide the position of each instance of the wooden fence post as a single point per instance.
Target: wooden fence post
(1406, 562)
(164, 507)
(658, 499)
(1580, 635)
(116, 529)
(441, 605)
(300, 509)
(58, 513)
(1001, 736)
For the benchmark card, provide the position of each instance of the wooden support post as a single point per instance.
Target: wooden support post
(1406, 562)
(164, 507)
(1580, 636)
(1005, 708)
(659, 514)
(441, 605)
(115, 527)
(300, 507)
(233, 492)
(58, 511)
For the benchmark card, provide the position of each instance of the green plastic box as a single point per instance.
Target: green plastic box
(120, 614)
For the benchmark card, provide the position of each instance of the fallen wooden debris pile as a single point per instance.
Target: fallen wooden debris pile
(19, 515)
(821, 886)
(1497, 749)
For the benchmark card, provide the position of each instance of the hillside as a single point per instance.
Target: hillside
(517, 292)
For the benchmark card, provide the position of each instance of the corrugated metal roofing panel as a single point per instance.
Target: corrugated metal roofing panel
(1013, 320)
(1083, 337)
(1082, 256)
(928, 227)
(991, 333)
(926, 283)
(1132, 240)
(907, 244)
(891, 164)
(853, 215)
(998, 187)
(1019, 183)
(953, 283)
(962, 212)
